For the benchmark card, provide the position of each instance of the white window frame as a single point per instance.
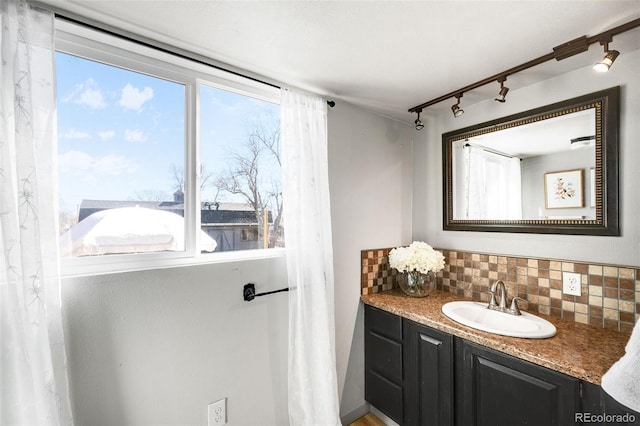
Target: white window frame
(94, 45)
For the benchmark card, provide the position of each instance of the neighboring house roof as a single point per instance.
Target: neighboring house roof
(211, 213)
(226, 206)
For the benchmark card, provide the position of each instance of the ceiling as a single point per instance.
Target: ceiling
(551, 135)
(385, 56)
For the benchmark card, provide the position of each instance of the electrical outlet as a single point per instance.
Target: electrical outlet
(218, 412)
(571, 283)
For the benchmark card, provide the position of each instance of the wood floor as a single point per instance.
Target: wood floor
(368, 420)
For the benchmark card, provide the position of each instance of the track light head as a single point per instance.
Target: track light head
(606, 62)
(419, 125)
(583, 141)
(502, 94)
(455, 109)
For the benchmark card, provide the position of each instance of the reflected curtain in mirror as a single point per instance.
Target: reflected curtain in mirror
(491, 184)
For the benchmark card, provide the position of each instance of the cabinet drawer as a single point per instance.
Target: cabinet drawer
(383, 323)
(385, 395)
(385, 357)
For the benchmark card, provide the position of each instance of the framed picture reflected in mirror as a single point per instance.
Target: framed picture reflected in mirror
(564, 189)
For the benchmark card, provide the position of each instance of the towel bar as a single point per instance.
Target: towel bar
(249, 292)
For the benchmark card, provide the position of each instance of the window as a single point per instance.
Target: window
(250, 235)
(240, 170)
(120, 140)
(161, 158)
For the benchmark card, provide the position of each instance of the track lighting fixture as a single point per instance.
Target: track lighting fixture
(502, 94)
(560, 52)
(607, 60)
(457, 111)
(419, 125)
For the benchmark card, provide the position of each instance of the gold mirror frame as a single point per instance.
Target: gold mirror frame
(606, 222)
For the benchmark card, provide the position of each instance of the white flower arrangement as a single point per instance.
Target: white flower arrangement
(418, 256)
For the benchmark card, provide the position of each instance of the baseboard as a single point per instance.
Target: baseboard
(355, 414)
(379, 414)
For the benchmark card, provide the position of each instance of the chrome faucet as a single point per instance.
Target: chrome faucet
(502, 294)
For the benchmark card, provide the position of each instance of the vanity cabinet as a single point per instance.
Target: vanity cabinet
(418, 375)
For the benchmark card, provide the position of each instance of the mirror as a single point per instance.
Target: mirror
(551, 170)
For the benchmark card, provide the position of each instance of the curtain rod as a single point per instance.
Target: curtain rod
(491, 151)
(563, 51)
(153, 44)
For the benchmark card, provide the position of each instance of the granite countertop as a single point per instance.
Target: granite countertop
(578, 350)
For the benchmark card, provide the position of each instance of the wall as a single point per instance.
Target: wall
(533, 176)
(427, 183)
(155, 347)
(370, 180)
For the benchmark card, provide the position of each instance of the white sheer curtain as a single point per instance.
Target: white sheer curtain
(503, 187)
(313, 391)
(492, 185)
(513, 203)
(475, 184)
(33, 377)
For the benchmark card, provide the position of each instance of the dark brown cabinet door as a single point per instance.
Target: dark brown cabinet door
(499, 390)
(428, 361)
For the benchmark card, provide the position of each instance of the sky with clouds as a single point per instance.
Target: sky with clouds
(120, 132)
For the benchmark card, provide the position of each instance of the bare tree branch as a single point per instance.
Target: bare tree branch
(149, 195)
(177, 175)
(267, 135)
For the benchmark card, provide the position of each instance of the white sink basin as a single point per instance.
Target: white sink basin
(478, 316)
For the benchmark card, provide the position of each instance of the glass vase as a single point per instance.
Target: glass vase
(417, 284)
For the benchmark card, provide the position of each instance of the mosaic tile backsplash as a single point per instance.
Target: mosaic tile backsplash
(610, 293)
